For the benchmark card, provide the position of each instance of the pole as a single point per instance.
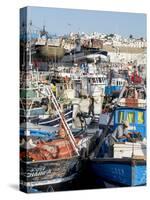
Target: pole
(67, 128)
(104, 134)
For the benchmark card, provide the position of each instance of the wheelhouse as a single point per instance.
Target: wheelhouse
(118, 82)
(115, 88)
(135, 116)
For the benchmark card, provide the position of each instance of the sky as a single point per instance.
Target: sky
(62, 21)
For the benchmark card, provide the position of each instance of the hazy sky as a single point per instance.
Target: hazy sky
(62, 21)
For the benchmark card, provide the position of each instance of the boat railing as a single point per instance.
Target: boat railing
(132, 102)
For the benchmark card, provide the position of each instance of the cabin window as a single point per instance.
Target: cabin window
(113, 82)
(140, 117)
(131, 117)
(93, 79)
(120, 116)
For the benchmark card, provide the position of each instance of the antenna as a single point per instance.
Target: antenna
(30, 44)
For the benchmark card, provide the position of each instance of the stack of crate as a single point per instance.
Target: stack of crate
(128, 150)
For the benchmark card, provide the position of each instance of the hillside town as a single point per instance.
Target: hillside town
(82, 110)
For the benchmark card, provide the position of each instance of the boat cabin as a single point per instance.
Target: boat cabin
(93, 84)
(133, 97)
(135, 116)
(115, 88)
(135, 146)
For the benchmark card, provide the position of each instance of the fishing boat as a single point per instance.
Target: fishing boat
(87, 84)
(51, 158)
(36, 108)
(47, 47)
(47, 159)
(115, 87)
(123, 163)
(120, 172)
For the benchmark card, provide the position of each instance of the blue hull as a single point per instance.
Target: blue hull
(113, 90)
(127, 172)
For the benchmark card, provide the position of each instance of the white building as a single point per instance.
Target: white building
(124, 58)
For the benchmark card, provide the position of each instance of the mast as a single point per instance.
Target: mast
(30, 45)
(105, 132)
(60, 113)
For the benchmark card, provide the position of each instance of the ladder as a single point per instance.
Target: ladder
(63, 120)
